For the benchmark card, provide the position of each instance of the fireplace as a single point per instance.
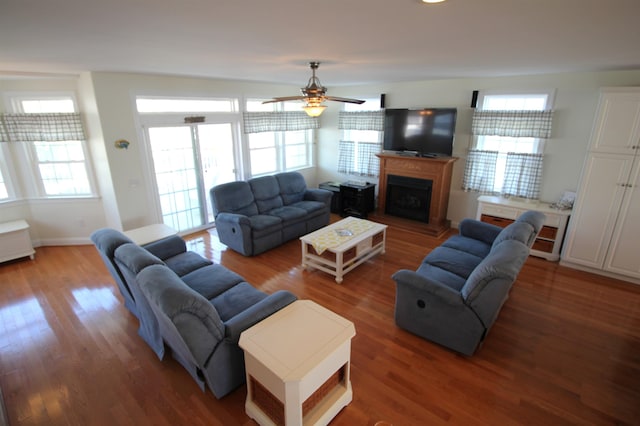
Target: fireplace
(437, 170)
(408, 197)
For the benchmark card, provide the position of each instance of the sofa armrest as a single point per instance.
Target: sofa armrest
(422, 284)
(256, 313)
(232, 219)
(479, 230)
(167, 247)
(317, 194)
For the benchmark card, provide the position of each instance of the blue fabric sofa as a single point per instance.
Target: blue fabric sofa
(187, 303)
(455, 295)
(262, 213)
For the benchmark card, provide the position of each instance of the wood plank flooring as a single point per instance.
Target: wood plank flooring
(564, 350)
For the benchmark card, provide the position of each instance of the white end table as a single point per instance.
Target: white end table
(150, 233)
(298, 364)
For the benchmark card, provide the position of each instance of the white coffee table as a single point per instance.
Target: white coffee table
(298, 364)
(329, 251)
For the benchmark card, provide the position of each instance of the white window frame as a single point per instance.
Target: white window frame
(26, 155)
(504, 144)
(279, 139)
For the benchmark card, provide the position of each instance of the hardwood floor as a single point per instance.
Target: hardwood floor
(564, 350)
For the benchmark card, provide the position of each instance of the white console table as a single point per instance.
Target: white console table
(503, 211)
(15, 241)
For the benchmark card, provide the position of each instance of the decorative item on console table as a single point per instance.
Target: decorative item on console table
(437, 170)
(504, 211)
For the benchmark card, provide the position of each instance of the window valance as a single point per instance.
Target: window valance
(41, 127)
(519, 124)
(361, 120)
(278, 121)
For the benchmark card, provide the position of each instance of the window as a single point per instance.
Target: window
(279, 137)
(508, 143)
(54, 144)
(4, 191)
(361, 126)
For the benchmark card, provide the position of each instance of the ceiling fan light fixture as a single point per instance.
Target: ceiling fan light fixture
(314, 110)
(432, 1)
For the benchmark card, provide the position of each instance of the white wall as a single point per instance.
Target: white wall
(576, 97)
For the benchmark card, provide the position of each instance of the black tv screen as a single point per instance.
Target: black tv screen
(425, 132)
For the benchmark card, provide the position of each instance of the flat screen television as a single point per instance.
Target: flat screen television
(425, 132)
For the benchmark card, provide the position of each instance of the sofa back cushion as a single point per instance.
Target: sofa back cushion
(183, 311)
(292, 187)
(266, 192)
(233, 197)
(535, 219)
(519, 231)
(503, 263)
(134, 258)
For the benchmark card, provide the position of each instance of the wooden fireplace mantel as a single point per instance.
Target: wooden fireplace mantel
(438, 170)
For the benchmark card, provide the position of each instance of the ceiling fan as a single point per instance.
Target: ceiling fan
(314, 95)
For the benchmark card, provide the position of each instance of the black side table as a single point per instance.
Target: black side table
(357, 200)
(335, 200)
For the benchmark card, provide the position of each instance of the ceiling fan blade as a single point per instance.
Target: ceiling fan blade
(285, 98)
(348, 100)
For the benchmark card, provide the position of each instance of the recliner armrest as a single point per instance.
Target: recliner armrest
(317, 194)
(426, 285)
(256, 313)
(479, 230)
(167, 247)
(233, 218)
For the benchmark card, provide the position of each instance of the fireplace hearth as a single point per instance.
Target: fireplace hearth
(408, 197)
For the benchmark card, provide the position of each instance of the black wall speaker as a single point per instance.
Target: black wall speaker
(474, 99)
(382, 96)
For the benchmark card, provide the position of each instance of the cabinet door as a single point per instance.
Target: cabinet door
(624, 256)
(597, 205)
(617, 125)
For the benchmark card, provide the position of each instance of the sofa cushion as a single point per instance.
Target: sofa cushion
(289, 214)
(262, 224)
(266, 193)
(469, 245)
(292, 187)
(237, 299)
(233, 197)
(212, 280)
(503, 263)
(442, 276)
(186, 262)
(310, 206)
(452, 260)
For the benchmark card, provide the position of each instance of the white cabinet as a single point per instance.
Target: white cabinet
(603, 236)
(15, 241)
(503, 211)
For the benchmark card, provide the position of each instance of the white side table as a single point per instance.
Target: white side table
(502, 211)
(298, 364)
(150, 233)
(15, 241)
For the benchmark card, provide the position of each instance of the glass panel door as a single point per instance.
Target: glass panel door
(188, 160)
(216, 158)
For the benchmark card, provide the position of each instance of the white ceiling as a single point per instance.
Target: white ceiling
(356, 41)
